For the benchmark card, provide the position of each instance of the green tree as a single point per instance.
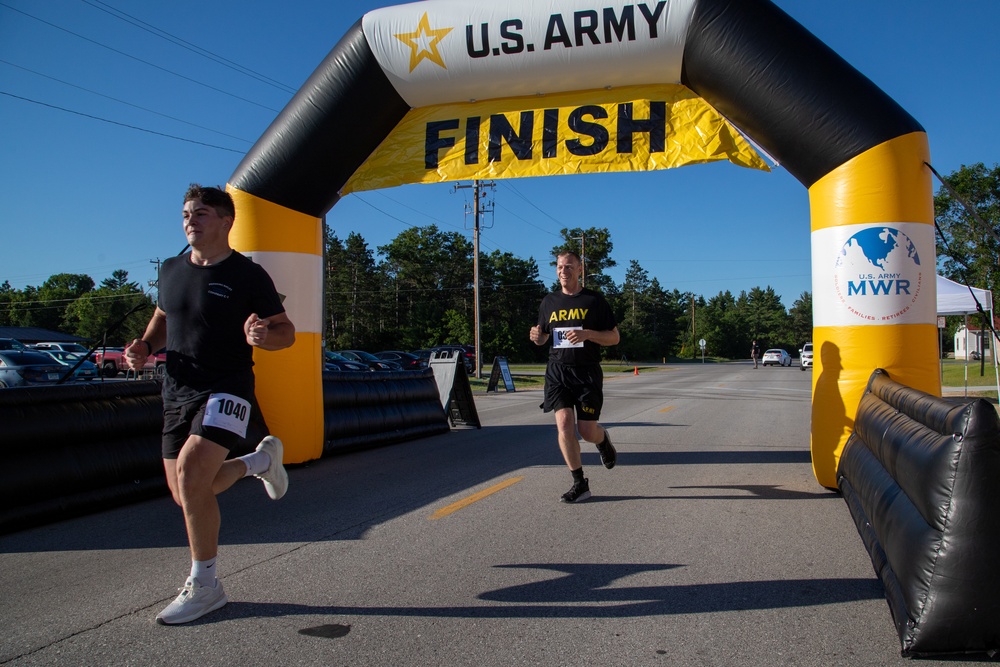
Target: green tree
(509, 294)
(767, 318)
(429, 273)
(46, 306)
(800, 319)
(354, 317)
(724, 327)
(968, 254)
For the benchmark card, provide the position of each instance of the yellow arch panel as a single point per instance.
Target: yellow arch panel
(889, 183)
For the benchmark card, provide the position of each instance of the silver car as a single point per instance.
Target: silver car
(776, 357)
(24, 368)
(806, 356)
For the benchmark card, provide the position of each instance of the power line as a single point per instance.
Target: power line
(114, 122)
(113, 99)
(144, 62)
(194, 48)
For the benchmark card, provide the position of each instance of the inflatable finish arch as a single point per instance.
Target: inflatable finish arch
(859, 154)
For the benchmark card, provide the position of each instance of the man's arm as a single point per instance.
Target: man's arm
(154, 338)
(272, 333)
(537, 336)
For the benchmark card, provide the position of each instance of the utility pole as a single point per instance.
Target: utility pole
(477, 210)
(156, 283)
(583, 258)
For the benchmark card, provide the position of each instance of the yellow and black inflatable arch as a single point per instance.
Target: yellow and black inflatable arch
(860, 155)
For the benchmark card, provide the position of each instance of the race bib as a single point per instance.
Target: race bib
(227, 412)
(559, 337)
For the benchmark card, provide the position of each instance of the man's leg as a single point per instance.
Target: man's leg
(195, 477)
(202, 472)
(595, 433)
(569, 445)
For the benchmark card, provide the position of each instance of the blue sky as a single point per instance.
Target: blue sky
(83, 195)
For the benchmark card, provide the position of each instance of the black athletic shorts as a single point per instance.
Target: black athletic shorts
(227, 414)
(576, 386)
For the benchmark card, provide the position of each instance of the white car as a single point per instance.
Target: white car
(806, 356)
(776, 357)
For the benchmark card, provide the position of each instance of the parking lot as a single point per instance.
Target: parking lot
(710, 543)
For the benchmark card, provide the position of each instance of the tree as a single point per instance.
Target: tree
(800, 319)
(430, 275)
(766, 316)
(46, 306)
(969, 251)
(354, 317)
(509, 293)
(114, 313)
(725, 328)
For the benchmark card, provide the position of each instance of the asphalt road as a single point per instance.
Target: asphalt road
(710, 543)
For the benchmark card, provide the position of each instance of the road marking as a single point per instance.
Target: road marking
(667, 409)
(465, 502)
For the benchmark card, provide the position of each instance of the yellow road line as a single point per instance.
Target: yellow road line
(465, 502)
(667, 409)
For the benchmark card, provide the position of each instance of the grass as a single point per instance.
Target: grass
(532, 376)
(953, 375)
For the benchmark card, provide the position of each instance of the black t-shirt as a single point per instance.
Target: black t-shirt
(585, 310)
(206, 308)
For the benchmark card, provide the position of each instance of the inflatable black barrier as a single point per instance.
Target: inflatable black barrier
(73, 449)
(921, 476)
(362, 410)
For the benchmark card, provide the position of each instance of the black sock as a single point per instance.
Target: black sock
(578, 474)
(606, 441)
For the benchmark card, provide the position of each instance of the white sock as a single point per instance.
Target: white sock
(256, 463)
(203, 571)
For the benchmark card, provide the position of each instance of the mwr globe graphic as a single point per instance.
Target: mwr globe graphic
(878, 250)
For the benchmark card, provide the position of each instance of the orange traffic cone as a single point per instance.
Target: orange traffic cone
(636, 370)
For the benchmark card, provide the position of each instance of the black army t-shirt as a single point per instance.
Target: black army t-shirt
(561, 312)
(206, 308)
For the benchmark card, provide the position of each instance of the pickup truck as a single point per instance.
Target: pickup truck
(111, 362)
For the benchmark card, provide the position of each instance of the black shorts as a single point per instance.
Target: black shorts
(580, 387)
(227, 414)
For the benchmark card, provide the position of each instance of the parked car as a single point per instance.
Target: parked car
(65, 347)
(806, 356)
(12, 344)
(776, 357)
(373, 362)
(336, 362)
(408, 360)
(22, 368)
(111, 361)
(87, 370)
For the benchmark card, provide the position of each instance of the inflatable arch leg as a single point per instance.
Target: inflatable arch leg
(889, 184)
(289, 382)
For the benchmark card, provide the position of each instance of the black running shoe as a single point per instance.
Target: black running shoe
(579, 492)
(608, 453)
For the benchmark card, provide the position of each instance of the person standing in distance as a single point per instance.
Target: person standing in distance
(578, 321)
(755, 352)
(214, 307)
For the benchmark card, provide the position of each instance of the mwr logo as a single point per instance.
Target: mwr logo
(878, 275)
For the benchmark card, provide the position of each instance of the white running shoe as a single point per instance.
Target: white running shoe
(275, 478)
(194, 602)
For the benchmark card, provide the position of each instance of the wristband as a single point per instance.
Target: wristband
(149, 347)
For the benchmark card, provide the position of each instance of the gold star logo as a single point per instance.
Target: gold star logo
(424, 43)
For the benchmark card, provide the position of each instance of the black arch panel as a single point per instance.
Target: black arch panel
(331, 126)
(789, 91)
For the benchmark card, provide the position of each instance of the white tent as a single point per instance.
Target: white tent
(957, 299)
